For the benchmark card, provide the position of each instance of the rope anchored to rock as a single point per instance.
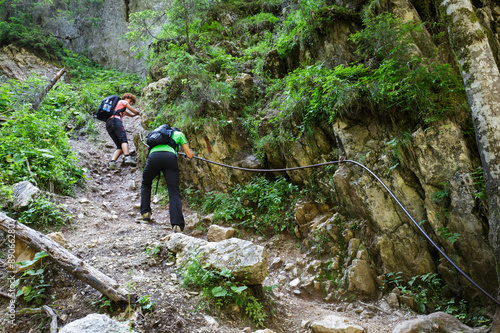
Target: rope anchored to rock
(386, 188)
(341, 161)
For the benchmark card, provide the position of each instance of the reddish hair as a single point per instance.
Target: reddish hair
(129, 96)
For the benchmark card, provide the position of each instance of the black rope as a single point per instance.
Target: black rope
(386, 188)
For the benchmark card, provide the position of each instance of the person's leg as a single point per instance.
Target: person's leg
(171, 173)
(125, 148)
(116, 154)
(112, 127)
(151, 170)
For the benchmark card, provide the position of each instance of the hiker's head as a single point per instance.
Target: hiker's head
(130, 97)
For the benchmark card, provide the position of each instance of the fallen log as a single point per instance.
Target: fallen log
(63, 258)
(38, 99)
(46, 309)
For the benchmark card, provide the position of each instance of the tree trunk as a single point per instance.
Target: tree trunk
(43, 93)
(65, 259)
(481, 78)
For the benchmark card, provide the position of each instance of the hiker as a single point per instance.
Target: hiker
(116, 131)
(163, 158)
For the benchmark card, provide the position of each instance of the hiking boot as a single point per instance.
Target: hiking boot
(144, 219)
(129, 161)
(112, 166)
(176, 228)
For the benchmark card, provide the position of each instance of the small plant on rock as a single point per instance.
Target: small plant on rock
(220, 289)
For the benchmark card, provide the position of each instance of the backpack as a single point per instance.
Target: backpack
(106, 108)
(162, 136)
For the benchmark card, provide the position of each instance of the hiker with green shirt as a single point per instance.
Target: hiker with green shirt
(163, 158)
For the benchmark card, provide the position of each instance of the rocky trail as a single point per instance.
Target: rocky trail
(104, 234)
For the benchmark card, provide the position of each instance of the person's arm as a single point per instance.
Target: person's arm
(133, 111)
(187, 150)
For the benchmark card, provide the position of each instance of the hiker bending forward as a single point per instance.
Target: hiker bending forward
(116, 131)
(163, 158)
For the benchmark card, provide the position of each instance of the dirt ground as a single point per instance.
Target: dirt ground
(104, 234)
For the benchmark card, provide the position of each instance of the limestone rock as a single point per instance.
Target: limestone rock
(17, 63)
(217, 233)
(361, 277)
(246, 261)
(335, 324)
(24, 192)
(435, 322)
(96, 323)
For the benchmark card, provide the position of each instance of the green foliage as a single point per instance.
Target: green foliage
(426, 290)
(152, 250)
(146, 303)
(319, 243)
(316, 94)
(104, 302)
(220, 289)
(34, 146)
(477, 176)
(445, 233)
(398, 83)
(33, 280)
(261, 204)
(255, 23)
(392, 280)
(463, 312)
(42, 214)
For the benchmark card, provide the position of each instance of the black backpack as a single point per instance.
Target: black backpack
(162, 136)
(107, 106)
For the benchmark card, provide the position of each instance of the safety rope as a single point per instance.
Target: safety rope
(386, 188)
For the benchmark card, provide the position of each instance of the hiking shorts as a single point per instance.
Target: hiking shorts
(116, 131)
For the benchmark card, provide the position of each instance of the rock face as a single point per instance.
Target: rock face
(17, 63)
(246, 261)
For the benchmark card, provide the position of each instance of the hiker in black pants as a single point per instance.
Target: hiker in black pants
(163, 158)
(116, 131)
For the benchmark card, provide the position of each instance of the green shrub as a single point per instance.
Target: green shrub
(34, 147)
(42, 214)
(219, 289)
(262, 204)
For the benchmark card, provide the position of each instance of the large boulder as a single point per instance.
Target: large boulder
(435, 322)
(23, 194)
(246, 261)
(335, 324)
(96, 323)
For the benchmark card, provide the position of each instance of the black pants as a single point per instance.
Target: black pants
(166, 162)
(116, 131)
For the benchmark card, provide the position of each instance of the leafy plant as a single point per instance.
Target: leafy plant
(33, 280)
(42, 214)
(146, 303)
(220, 289)
(451, 237)
(426, 289)
(152, 251)
(104, 302)
(262, 204)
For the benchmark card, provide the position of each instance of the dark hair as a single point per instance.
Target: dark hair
(130, 96)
